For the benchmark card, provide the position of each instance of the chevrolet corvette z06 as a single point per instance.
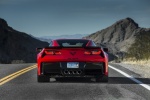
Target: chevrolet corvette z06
(72, 58)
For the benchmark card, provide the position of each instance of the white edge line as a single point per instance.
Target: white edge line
(130, 77)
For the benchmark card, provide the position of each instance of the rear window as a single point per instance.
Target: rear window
(72, 43)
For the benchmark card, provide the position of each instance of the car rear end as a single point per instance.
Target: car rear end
(72, 58)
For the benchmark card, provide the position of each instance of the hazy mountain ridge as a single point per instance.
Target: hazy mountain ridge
(72, 36)
(44, 39)
(118, 37)
(17, 46)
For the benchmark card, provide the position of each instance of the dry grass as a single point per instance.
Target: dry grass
(141, 62)
(142, 67)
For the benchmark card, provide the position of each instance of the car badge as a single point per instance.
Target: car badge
(73, 53)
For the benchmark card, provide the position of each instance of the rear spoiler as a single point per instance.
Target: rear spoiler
(104, 49)
(40, 49)
(59, 47)
(90, 47)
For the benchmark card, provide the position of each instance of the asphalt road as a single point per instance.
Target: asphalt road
(26, 87)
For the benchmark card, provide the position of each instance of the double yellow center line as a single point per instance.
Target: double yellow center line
(16, 74)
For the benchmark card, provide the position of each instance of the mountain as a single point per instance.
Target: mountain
(17, 46)
(73, 36)
(118, 37)
(140, 49)
(44, 39)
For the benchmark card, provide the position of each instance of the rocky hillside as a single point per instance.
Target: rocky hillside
(17, 46)
(118, 37)
(140, 49)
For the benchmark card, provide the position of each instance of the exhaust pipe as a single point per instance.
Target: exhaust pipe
(66, 72)
(71, 72)
(74, 72)
(79, 72)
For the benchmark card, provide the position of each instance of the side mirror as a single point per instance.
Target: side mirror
(39, 49)
(105, 49)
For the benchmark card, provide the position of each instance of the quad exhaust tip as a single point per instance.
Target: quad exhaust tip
(66, 72)
(79, 72)
(70, 72)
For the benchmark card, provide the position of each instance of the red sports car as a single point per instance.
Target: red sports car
(72, 58)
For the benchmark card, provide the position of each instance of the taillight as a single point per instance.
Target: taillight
(96, 52)
(57, 52)
(87, 52)
(52, 52)
(93, 52)
(49, 52)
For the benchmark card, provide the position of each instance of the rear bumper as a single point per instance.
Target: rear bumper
(60, 69)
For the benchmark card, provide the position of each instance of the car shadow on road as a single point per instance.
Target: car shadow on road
(112, 80)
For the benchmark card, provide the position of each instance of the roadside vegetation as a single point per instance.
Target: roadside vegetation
(140, 49)
(138, 57)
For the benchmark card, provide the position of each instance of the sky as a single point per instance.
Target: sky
(66, 17)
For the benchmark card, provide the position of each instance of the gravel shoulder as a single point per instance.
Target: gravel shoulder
(138, 67)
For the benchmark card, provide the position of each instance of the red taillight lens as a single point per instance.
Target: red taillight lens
(96, 52)
(92, 52)
(51, 52)
(87, 52)
(57, 52)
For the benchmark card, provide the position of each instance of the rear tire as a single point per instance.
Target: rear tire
(43, 78)
(103, 78)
